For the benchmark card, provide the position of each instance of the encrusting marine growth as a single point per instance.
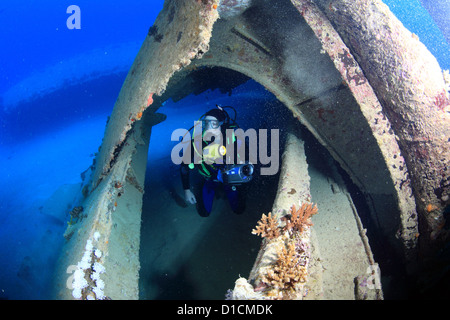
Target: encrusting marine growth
(86, 283)
(287, 272)
(300, 218)
(282, 278)
(296, 220)
(267, 227)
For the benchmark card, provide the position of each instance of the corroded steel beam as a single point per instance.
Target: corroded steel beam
(181, 32)
(410, 85)
(354, 78)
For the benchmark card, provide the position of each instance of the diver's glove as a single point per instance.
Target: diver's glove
(189, 196)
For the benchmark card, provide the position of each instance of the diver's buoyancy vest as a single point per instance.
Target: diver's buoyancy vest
(203, 167)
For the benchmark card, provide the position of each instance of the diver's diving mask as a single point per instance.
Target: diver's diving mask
(211, 124)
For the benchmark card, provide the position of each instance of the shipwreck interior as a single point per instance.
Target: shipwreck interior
(343, 147)
(185, 256)
(204, 261)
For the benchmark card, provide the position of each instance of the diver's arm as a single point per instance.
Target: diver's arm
(188, 195)
(184, 171)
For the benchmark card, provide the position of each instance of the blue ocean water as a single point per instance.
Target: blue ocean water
(428, 19)
(74, 77)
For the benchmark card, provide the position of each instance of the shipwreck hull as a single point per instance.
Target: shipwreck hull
(356, 92)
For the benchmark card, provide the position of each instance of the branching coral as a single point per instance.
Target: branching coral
(300, 218)
(287, 272)
(282, 278)
(267, 227)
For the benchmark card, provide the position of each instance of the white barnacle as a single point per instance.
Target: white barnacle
(98, 267)
(100, 284)
(95, 276)
(98, 253)
(79, 283)
(76, 293)
(98, 293)
(84, 264)
(89, 245)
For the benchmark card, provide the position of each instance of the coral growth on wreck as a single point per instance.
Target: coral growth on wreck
(300, 218)
(290, 244)
(296, 220)
(267, 227)
(287, 272)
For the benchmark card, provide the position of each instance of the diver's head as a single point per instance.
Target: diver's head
(213, 121)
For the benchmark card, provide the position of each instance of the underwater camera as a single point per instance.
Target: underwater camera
(236, 174)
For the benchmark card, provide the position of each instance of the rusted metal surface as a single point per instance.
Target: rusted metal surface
(371, 109)
(334, 100)
(410, 86)
(181, 32)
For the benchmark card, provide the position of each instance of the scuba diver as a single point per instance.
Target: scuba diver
(218, 169)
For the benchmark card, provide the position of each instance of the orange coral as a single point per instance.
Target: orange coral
(287, 272)
(431, 207)
(300, 218)
(150, 99)
(267, 227)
